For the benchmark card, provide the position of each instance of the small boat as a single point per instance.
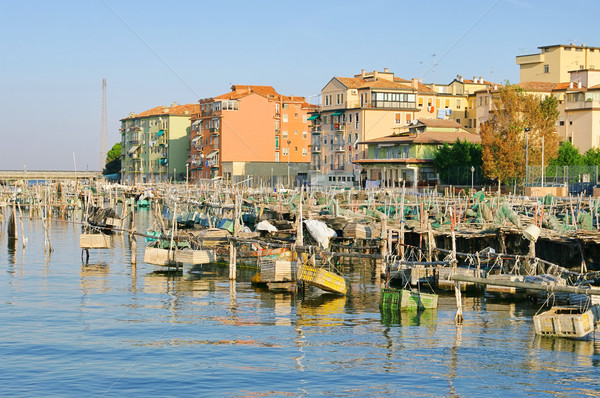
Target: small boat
(567, 321)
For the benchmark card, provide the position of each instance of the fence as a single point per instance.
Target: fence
(463, 175)
(577, 178)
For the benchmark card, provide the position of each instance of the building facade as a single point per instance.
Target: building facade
(251, 131)
(155, 144)
(553, 63)
(407, 156)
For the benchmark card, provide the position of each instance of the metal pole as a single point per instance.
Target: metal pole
(527, 157)
(542, 161)
(288, 165)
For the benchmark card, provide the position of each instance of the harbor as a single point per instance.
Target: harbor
(383, 279)
(111, 324)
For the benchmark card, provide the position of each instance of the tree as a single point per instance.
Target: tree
(592, 156)
(113, 160)
(456, 158)
(568, 155)
(504, 139)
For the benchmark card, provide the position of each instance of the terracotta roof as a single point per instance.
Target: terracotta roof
(561, 86)
(537, 86)
(351, 82)
(440, 123)
(166, 110)
(596, 87)
(382, 83)
(239, 91)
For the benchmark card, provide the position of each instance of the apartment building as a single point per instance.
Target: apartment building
(155, 143)
(553, 63)
(251, 131)
(359, 108)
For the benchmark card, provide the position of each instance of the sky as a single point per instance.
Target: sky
(54, 55)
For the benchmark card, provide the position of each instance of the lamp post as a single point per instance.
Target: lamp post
(472, 173)
(527, 157)
(288, 165)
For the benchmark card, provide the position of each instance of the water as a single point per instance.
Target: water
(107, 329)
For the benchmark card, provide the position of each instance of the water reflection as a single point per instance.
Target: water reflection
(94, 278)
(408, 317)
(325, 310)
(586, 349)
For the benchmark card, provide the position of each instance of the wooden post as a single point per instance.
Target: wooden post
(232, 248)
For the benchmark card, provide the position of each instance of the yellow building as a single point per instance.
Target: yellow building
(554, 63)
(359, 108)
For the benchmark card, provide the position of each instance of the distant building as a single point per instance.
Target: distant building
(407, 156)
(155, 143)
(554, 63)
(251, 131)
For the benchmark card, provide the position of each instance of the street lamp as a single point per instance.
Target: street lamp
(527, 157)
(288, 165)
(472, 173)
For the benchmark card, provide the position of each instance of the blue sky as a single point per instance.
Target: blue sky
(54, 55)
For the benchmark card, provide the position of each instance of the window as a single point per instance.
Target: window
(408, 118)
(326, 100)
(349, 118)
(438, 103)
(284, 134)
(458, 121)
(304, 118)
(429, 102)
(296, 115)
(447, 104)
(567, 48)
(356, 120)
(276, 142)
(393, 100)
(285, 152)
(304, 134)
(277, 108)
(570, 120)
(561, 122)
(277, 156)
(285, 118)
(458, 104)
(295, 132)
(470, 123)
(286, 106)
(480, 101)
(486, 100)
(420, 102)
(398, 118)
(304, 152)
(546, 68)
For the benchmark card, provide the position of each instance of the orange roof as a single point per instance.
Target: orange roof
(240, 90)
(351, 82)
(422, 88)
(596, 87)
(537, 86)
(186, 109)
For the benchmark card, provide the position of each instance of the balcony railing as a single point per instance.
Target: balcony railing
(582, 105)
(315, 148)
(214, 130)
(338, 127)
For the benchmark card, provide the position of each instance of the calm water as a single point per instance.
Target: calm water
(105, 329)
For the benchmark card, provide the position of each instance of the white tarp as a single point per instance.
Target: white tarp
(320, 232)
(265, 226)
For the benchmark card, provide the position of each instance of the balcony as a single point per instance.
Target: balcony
(339, 148)
(581, 105)
(315, 148)
(315, 167)
(215, 130)
(338, 127)
(315, 130)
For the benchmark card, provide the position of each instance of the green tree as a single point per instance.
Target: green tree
(113, 160)
(505, 140)
(461, 156)
(592, 156)
(568, 155)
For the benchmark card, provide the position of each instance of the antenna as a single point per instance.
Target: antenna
(103, 133)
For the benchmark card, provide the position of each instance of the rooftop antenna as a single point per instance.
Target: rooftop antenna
(103, 133)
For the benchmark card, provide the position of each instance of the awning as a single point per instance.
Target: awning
(313, 117)
(212, 154)
(196, 138)
(197, 122)
(337, 113)
(133, 149)
(160, 132)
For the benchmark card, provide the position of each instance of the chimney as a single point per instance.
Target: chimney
(386, 70)
(362, 74)
(414, 82)
(579, 84)
(375, 74)
(480, 79)
(571, 85)
(474, 79)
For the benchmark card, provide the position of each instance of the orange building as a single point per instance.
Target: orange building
(251, 131)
